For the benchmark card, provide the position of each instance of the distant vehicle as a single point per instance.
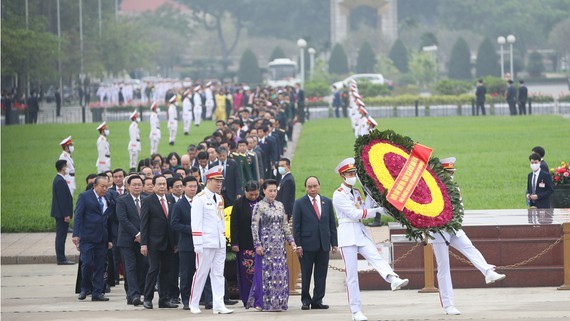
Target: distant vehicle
(282, 72)
(372, 78)
(50, 94)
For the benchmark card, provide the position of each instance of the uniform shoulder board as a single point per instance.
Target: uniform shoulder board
(235, 154)
(201, 193)
(339, 189)
(281, 130)
(251, 153)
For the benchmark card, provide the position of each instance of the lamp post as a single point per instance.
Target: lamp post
(511, 40)
(301, 43)
(501, 40)
(312, 52)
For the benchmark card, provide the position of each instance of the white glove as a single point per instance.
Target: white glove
(199, 249)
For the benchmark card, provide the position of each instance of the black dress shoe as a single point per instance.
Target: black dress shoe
(305, 307)
(82, 296)
(185, 307)
(230, 302)
(316, 306)
(107, 288)
(66, 262)
(175, 301)
(147, 305)
(167, 305)
(100, 297)
(129, 302)
(208, 306)
(137, 301)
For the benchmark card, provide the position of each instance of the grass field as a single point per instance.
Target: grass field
(492, 157)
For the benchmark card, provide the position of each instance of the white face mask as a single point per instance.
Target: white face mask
(106, 132)
(71, 149)
(534, 167)
(138, 119)
(350, 180)
(281, 170)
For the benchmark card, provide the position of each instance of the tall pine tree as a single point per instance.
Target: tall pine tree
(338, 62)
(249, 71)
(487, 60)
(460, 61)
(399, 55)
(366, 59)
(277, 53)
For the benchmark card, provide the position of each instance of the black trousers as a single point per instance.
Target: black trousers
(480, 105)
(512, 108)
(522, 107)
(135, 266)
(60, 236)
(187, 268)
(159, 267)
(319, 260)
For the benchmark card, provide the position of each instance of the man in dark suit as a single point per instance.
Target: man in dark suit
(117, 190)
(92, 235)
(33, 107)
(61, 210)
(480, 93)
(268, 145)
(286, 188)
(539, 184)
(300, 102)
(511, 98)
(181, 223)
(129, 239)
(522, 97)
(157, 242)
(314, 230)
(232, 188)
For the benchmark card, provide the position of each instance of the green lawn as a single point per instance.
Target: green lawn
(492, 152)
(492, 157)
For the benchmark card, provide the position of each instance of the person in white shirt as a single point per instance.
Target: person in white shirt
(134, 140)
(187, 111)
(103, 149)
(209, 100)
(68, 148)
(154, 128)
(197, 102)
(172, 119)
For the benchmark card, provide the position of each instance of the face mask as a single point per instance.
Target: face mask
(138, 119)
(71, 149)
(534, 167)
(281, 170)
(106, 132)
(350, 180)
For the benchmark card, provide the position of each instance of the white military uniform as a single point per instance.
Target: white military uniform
(172, 122)
(70, 172)
(208, 234)
(209, 102)
(197, 101)
(103, 154)
(187, 113)
(154, 132)
(354, 238)
(134, 144)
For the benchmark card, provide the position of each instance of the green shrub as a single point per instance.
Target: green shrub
(317, 88)
(277, 53)
(565, 98)
(535, 65)
(495, 85)
(399, 55)
(249, 71)
(367, 89)
(453, 87)
(542, 99)
(487, 60)
(338, 62)
(366, 59)
(460, 61)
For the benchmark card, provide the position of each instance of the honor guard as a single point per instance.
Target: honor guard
(197, 102)
(67, 146)
(461, 242)
(209, 236)
(187, 111)
(172, 114)
(209, 100)
(103, 149)
(354, 238)
(134, 140)
(362, 123)
(154, 128)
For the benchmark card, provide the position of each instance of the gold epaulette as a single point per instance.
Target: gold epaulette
(339, 189)
(201, 193)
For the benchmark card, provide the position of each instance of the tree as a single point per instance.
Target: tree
(559, 36)
(399, 55)
(487, 60)
(338, 62)
(460, 61)
(535, 65)
(423, 68)
(277, 53)
(249, 71)
(366, 59)
(428, 39)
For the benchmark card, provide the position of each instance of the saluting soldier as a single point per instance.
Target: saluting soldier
(187, 112)
(134, 140)
(208, 234)
(354, 238)
(209, 95)
(154, 128)
(197, 102)
(67, 146)
(103, 149)
(172, 119)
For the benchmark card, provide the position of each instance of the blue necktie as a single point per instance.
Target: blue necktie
(101, 205)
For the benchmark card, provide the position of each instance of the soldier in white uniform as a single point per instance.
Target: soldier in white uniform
(154, 128)
(67, 146)
(134, 140)
(197, 102)
(460, 241)
(172, 119)
(103, 149)
(208, 234)
(209, 100)
(354, 238)
(187, 111)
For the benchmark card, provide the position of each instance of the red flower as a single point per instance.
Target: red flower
(561, 170)
(557, 178)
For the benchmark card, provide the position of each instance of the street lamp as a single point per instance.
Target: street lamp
(312, 52)
(511, 40)
(301, 43)
(501, 40)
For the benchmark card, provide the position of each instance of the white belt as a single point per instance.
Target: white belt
(348, 220)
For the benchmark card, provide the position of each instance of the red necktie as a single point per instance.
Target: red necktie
(164, 207)
(316, 207)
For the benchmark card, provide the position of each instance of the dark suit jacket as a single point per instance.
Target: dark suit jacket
(240, 224)
(523, 94)
(511, 93)
(232, 184)
(61, 200)
(180, 222)
(480, 94)
(129, 220)
(155, 227)
(311, 233)
(113, 220)
(286, 193)
(544, 192)
(90, 223)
